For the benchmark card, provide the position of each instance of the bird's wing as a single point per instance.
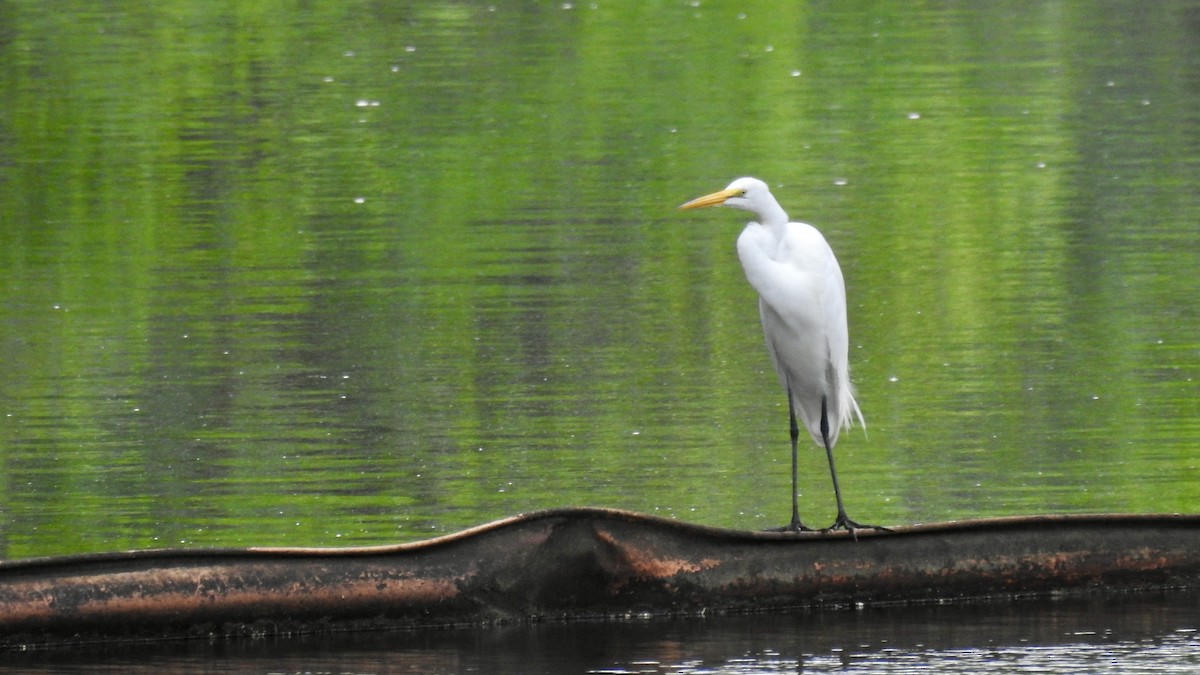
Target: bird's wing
(805, 248)
(797, 295)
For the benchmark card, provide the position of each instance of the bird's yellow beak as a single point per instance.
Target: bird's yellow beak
(715, 199)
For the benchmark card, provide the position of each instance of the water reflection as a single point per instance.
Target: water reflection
(424, 274)
(1150, 634)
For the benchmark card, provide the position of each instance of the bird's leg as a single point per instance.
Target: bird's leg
(794, 430)
(843, 521)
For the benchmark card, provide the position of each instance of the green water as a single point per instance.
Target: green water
(353, 273)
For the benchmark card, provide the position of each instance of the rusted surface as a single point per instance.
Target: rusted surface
(582, 563)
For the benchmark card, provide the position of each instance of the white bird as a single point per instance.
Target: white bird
(802, 302)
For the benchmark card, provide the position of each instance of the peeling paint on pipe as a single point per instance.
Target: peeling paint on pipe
(580, 564)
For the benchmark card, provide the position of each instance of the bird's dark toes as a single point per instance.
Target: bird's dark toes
(843, 522)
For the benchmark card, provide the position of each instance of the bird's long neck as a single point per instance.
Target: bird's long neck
(773, 217)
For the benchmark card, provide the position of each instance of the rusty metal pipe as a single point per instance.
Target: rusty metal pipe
(582, 563)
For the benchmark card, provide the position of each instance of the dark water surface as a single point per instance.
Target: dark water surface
(358, 273)
(1132, 634)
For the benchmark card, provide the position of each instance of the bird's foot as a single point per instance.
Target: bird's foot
(794, 526)
(843, 522)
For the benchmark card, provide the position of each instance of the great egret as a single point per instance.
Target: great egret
(802, 302)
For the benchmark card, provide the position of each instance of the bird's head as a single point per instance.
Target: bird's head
(747, 194)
